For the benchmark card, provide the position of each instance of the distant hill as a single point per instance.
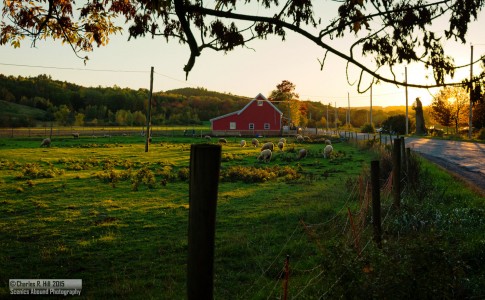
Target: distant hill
(188, 92)
(19, 114)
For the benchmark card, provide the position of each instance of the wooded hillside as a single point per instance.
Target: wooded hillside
(42, 99)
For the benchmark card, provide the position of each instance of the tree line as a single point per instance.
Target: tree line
(71, 104)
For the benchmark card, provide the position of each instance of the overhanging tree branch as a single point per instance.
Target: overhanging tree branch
(315, 39)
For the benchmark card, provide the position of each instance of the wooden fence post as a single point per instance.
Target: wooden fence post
(205, 161)
(376, 202)
(403, 153)
(408, 157)
(396, 172)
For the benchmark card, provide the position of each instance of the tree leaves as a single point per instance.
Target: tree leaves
(397, 32)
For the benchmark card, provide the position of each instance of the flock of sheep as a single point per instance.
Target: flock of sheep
(268, 147)
(266, 150)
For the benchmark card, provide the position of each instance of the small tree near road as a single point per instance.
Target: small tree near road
(450, 107)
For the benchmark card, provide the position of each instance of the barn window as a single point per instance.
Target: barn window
(260, 102)
(232, 125)
(251, 126)
(266, 126)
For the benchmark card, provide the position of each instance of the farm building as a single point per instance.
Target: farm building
(258, 117)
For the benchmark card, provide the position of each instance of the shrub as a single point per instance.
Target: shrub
(183, 174)
(254, 174)
(367, 128)
(481, 134)
(112, 176)
(166, 173)
(34, 170)
(143, 176)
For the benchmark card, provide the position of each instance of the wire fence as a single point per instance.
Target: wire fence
(336, 226)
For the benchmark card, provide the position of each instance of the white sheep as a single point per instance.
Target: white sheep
(268, 145)
(299, 138)
(281, 145)
(265, 155)
(328, 142)
(242, 143)
(46, 142)
(222, 141)
(75, 135)
(255, 142)
(283, 140)
(207, 137)
(307, 138)
(302, 154)
(327, 151)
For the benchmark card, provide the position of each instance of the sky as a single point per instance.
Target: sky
(244, 71)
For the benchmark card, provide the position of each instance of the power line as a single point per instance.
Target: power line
(74, 69)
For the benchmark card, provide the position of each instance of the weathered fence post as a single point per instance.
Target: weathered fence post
(403, 153)
(408, 157)
(396, 172)
(205, 161)
(376, 202)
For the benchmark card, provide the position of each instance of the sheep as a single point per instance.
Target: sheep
(328, 142)
(222, 141)
(207, 137)
(307, 138)
(281, 145)
(299, 138)
(302, 154)
(242, 143)
(46, 142)
(268, 145)
(265, 155)
(75, 135)
(255, 142)
(327, 151)
(283, 140)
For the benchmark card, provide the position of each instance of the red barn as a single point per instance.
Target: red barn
(258, 117)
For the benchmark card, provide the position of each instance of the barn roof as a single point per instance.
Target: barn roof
(258, 97)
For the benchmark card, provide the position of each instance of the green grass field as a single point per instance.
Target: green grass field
(107, 212)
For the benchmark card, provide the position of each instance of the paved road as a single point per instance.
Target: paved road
(465, 159)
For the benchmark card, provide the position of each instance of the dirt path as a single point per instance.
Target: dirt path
(464, 159)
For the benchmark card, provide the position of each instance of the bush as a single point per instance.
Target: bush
(396, 124)
(254, 174)
(481, 134)
(367, 128)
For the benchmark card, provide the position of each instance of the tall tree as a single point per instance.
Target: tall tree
(386, 33)
(287, 101)
(62, 115)
(449, 106)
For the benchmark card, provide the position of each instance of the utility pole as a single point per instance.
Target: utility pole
(149, 114)
(348, 110)
(336, 116)
(406, 81)
(470, 117)
(371, 105)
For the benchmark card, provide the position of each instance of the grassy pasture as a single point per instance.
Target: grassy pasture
(83, 209)
(103, 210)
